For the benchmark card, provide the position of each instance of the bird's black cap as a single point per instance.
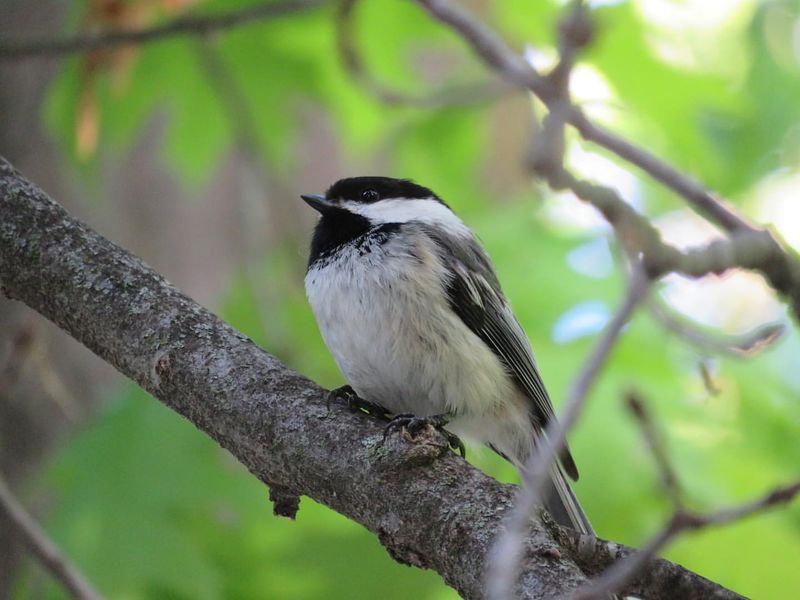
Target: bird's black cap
(359, 188)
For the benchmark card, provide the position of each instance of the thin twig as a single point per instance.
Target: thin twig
(43, 548)
(609, 582)
(504, 560)
(621, 573)
(491, 48)
(695, 194)
(777, 496)
(575, 31)
(669, 479)
(752, 249)
(189, 25)
(741, 345)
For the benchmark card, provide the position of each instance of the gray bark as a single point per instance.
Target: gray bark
(428, 507)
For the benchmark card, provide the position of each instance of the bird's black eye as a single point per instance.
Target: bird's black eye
(370, 196)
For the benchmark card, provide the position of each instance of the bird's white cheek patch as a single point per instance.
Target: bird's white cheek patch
(405, 210)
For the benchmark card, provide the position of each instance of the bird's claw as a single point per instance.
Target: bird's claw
(408, 422)
(354, 402)
(413, 425)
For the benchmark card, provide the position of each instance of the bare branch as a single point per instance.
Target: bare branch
(43, 548)
(496, 54)
(698, 197)
(189, 25)
(752, 249)
(779, 265)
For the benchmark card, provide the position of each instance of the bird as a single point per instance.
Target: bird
(408, 302)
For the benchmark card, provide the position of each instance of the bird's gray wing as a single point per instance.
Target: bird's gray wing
(476, 297)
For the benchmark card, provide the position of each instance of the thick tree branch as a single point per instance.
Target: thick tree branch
(428, 507)
(43, 548)
(189, 25)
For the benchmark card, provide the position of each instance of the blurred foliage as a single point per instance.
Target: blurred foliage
(150, 508)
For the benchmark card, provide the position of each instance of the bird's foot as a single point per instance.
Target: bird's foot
(413, 425)
(354, 402)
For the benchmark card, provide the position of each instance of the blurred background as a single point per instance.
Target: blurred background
(191, 152)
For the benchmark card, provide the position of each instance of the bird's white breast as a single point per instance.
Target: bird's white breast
(385, 317)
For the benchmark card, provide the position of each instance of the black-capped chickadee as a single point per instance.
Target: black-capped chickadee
(409, 305)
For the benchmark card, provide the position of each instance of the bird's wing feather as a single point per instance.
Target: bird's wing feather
(476, 297)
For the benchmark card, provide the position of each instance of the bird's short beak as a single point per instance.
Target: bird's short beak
(317, 202)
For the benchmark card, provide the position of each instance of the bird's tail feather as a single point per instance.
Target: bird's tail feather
(563, 506)
(559, 499)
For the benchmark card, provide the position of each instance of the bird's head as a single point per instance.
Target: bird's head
(383, 200)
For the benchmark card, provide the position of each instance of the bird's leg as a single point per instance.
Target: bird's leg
(413, 425)
(354, 402)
